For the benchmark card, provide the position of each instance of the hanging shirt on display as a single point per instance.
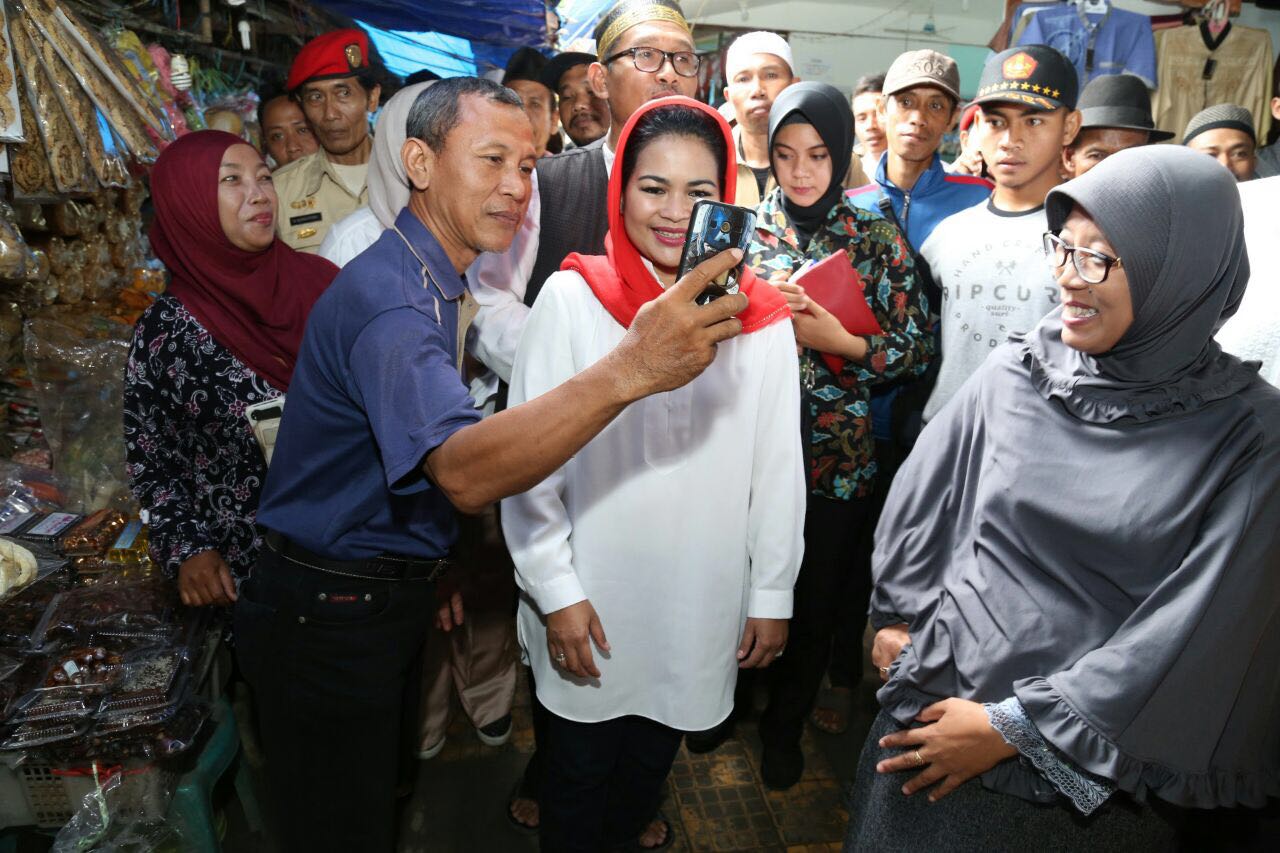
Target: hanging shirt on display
(1114, 42)
(1198, 70)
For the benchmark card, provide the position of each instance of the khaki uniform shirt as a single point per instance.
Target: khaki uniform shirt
(312, 198)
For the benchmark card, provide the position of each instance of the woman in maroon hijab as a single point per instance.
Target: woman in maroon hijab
(223, 338)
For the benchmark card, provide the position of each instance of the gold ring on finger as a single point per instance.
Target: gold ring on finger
(920, 762)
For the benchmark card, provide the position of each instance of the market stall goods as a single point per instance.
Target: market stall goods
(17, 566)
(64, 148)
(28, 162)
(11, 126)
(127, 120)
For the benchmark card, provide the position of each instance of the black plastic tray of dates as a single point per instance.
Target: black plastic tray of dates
(116, 615)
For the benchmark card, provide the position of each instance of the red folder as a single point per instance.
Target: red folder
(837, 287)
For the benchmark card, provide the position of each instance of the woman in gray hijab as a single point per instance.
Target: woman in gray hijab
(1077, 575)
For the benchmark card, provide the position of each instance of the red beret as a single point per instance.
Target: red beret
(966, 118)
(341, 53)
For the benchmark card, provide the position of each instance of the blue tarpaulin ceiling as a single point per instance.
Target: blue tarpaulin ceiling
(506, 23)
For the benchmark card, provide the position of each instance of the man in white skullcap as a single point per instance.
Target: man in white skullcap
(757, 67)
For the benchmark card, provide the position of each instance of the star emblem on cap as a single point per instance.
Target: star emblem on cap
(1055, 93)
(1036, 88)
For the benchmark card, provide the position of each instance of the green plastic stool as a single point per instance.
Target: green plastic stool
(191, 810)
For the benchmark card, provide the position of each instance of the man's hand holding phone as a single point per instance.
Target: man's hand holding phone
(673, 339)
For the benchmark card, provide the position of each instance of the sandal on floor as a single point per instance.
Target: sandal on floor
(636, 847)
(838, 701)
(518, 793)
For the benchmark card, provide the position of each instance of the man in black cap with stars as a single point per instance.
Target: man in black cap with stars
(988, 261)
(1115, 114)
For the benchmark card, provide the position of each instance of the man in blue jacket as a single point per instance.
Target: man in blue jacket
(921, 97)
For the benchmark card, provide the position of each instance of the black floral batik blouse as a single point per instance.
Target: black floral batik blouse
(193, 462)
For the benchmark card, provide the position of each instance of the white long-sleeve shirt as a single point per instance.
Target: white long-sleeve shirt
(678, 521)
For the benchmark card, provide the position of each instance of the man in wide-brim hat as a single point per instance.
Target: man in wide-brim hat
(1115, 113)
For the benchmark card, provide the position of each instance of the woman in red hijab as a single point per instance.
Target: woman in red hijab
(660, 560)
(222, 339)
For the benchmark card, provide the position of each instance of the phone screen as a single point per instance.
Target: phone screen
(715, 227)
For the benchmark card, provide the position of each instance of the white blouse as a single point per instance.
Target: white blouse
(678, 521)
(1254, 332)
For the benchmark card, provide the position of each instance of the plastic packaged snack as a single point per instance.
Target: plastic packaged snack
(88, 667)
(15, 255)
(22, 614)
(19, 675)
(30, 217)
(153, 680)
(94, 535)
(28, 162)
(65, 149)
(103, 615)
(77, 372)
(107, 163)
(37, 268)
(125, 120)
(50, 527)
(11, 128)
(17, 566)
(132, 543)
(142, 98)
(42, 732)
(54, 703)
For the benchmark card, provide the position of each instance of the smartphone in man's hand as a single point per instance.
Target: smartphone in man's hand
(713, 228)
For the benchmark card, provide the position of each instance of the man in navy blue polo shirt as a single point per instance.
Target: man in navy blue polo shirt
(380, 443)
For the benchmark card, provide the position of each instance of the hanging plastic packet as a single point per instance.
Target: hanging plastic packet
(64, 147)
(139, 62)
(11, 127)
(126, 119)
(108, 166)
(142, 98)
(28, 161)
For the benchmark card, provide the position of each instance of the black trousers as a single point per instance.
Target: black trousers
(602, 782)
(334, 666)
(832, 529)
(845, 669)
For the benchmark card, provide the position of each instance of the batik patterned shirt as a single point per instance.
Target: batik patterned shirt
(841, 450)
(193, 462)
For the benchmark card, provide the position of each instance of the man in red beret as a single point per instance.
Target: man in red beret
(333, 81)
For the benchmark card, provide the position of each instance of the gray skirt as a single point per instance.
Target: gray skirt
(973, 818)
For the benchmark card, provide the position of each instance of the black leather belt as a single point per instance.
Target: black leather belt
(384, 567)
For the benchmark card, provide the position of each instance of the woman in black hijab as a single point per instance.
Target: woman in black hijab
(808, 218)
(1082, 553)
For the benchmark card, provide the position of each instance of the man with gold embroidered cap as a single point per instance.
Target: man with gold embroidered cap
(334, 83)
